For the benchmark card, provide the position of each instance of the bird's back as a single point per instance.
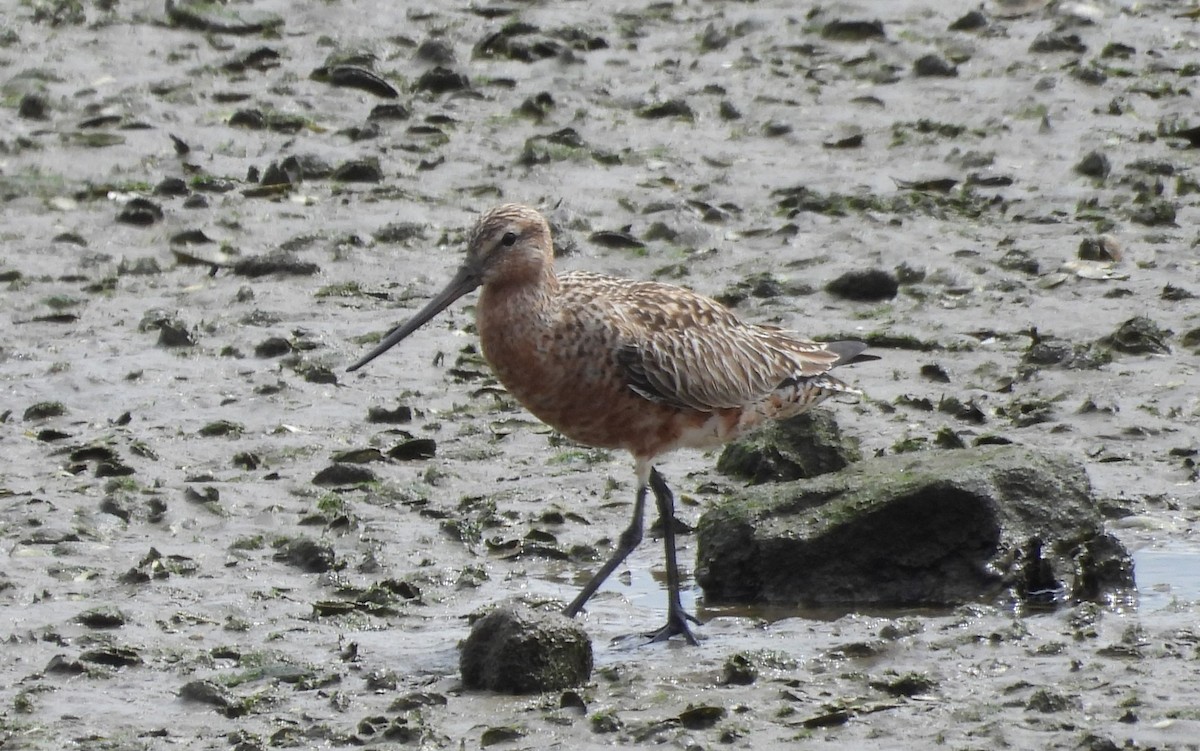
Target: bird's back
(684, 349)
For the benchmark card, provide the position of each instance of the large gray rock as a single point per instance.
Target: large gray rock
(934, 528)
(516, 649)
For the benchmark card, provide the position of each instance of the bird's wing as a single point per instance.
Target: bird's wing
(679, 348)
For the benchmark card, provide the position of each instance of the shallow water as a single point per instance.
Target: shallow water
(1168, 576)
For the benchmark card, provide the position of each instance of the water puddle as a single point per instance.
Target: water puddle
(1166, 576)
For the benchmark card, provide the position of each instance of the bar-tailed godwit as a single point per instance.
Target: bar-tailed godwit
(621, 364)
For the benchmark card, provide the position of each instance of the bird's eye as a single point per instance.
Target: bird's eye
(508, 240)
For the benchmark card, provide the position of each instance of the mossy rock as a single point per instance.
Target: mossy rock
(927, 529)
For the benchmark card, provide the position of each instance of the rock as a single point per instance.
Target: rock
(1175, 294)
(215, 18)
(1139, 336)
(307, 555)
(359, 171)
(103, 616)
(45, 410)
(33, 107)
(1191, 340)
(935, 66)
(853, 31)
(340, 474)
(401, 414)
(930, 529)
(1155, 212)
(806, 445)
(140, 212)
(278, 262)
(436, 50)
(516, 649)
(972, 21)
(275, 346)
(1104, 248)
(1094, 164)
(1053, 41)
(1060, 353)
(440, 80)
(865, 286)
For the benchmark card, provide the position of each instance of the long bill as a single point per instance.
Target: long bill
(463, 282)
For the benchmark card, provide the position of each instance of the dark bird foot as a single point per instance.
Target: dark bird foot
(677, 625)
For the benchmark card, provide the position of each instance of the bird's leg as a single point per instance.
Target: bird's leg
(677, 617)
(628, 540)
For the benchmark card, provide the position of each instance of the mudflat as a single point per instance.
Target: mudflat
(215, 537)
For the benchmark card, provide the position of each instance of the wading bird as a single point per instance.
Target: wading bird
(621, 364)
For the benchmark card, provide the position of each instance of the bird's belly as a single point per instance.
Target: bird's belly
(607, 414)
(578, 389)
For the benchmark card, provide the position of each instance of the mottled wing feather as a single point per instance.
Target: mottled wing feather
(680, 348)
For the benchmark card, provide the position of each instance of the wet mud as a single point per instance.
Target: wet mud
(215, 537)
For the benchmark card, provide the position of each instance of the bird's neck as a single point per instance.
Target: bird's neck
(513, 317)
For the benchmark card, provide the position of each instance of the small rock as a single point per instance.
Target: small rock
(413, 450)
(1155, 212)
(515, 649)
(385, 112)
(1053, 41)
(218, 428)
(171, 186)
(934, 66)
(216, 19)
(441, 80)
(359, 171)
(45, 410)
(1174, 294)
(275, 262)
(117, 657)
(355, 77)
(935, 373)
(437, 51)
(739, 670)
(1095, 164)
(105, 616)
(62, 665)
(1093, 75)
(702, 717)
(140, 212)
(906, 684)
(307, 555)
(864, 286)
(33, 107)
(173, 332)
(1191, 340)
(853, 31)
(676, 108)
(340, 474)
(275, 346)
(1047, 701)
(1101, 248)
(400, 232)
(775, 129)
(1019, 260)
(972, 21)
(1139, 336)
(401, 414)
(207, 692)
